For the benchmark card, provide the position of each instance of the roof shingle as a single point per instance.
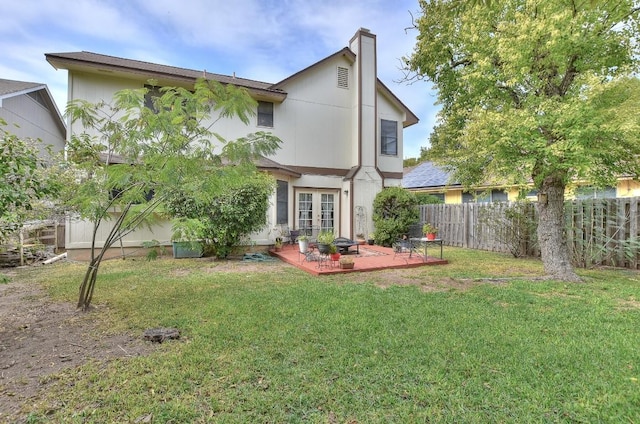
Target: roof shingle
(427, 174)
(10, 86)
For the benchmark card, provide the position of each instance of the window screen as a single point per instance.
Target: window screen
(388, 137)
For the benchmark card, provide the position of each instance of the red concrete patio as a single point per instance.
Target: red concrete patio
(370, 258)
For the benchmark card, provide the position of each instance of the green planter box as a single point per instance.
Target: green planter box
(187, 249)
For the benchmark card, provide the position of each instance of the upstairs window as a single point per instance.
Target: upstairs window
(265, 114)
(151, 96)
(388, 137)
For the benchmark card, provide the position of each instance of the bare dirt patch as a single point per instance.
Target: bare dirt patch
(408, 277)
(628, 304)
(39, 338)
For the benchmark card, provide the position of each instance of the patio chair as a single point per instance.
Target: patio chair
(404, 245)
(309, 254)
(284, 233)
(293, 236)
(415, 231)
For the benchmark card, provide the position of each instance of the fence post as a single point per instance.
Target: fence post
(21, 244)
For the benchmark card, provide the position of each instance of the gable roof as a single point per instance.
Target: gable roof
(427, 175)
(95, 62)
(11, 88)
(100, 63)
(346, 52)
(411, 117)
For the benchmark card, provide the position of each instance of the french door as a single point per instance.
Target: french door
(318, 209)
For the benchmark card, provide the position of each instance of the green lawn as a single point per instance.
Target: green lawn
(281, 346)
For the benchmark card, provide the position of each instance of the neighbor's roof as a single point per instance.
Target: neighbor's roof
(427, 175)
(11, 88)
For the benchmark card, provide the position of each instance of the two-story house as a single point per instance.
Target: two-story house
(341, 130)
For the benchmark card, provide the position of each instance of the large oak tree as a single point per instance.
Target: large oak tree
(538, 92)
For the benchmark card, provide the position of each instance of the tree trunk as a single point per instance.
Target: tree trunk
(551, 232)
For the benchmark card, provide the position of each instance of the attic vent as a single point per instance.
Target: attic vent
(343, 77)
(38, 97)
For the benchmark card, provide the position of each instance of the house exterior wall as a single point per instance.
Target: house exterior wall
(453, 196)
(628, 188)
(34, 121)
(326, 129)
(314, 122)
(78, 234)
(387, 111)
(625, 187)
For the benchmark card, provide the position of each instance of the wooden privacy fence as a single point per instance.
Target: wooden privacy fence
(599, 231)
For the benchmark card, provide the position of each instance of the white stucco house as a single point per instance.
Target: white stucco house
(341, 130)
(30, 112)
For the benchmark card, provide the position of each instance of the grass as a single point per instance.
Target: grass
(283, 346)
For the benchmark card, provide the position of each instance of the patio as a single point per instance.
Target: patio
(369, 258)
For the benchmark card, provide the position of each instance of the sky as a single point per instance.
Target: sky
(264, 40)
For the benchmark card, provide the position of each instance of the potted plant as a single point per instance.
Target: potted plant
(360, 238)
(303, 243)
(333, 252)
(187, 238)
(429, 231)
(325, 238)
(346, 262)
(370, 240)
(278, 244)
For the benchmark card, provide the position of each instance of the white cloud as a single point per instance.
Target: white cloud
(91, 18)
(267, 40)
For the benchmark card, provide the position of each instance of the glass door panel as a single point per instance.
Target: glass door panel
(317, 210)
(305, 211)
(327, 212)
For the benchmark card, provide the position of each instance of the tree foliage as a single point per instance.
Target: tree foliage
(427, 199)
(141, 148)
(225, 220)
(24, 179)
(533, 92)
(394, 210)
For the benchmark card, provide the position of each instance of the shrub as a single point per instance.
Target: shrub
(229, 218)
(394, 210)
(427, 199)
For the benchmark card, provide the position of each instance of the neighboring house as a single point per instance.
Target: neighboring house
(30, 112)
(341, 130)
(430, 178)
